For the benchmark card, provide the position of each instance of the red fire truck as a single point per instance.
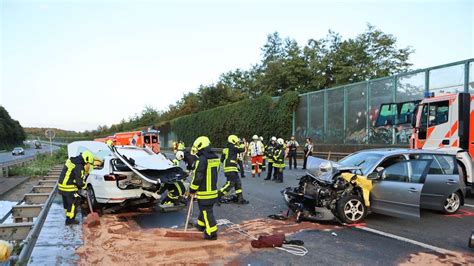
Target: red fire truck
(149, 138)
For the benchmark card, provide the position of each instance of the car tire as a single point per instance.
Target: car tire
(91, 195)
(351, 209)
(452, 203)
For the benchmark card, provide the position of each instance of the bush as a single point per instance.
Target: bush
(261, 116)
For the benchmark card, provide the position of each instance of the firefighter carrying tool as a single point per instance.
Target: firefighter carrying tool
(229, 158)
(204, 185)
(71, 180)
(256, 153)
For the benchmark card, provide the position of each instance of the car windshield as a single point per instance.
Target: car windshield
(365, 160)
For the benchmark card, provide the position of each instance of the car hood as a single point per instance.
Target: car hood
(324, 170)
(145, 161)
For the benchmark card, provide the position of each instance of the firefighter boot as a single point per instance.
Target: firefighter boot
(241, 200)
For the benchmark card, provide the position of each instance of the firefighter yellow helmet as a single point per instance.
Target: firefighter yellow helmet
(233, 139)
(88, 157)
(201, 143)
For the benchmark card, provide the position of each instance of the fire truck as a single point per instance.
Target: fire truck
(444, 122)
(144, 138)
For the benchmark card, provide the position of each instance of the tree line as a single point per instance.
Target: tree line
(286, 66)
(11, 132)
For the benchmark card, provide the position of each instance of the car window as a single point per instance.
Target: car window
(391, 161)
(435, 114)
(441, 165)
(406, 171)
(365, 160)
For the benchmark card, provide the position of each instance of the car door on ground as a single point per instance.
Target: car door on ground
(398, 191)
(442, 180)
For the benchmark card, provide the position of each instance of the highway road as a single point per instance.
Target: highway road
(29, 152)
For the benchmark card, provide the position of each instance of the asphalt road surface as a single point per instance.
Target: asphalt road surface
(392, 243)
(29, 152)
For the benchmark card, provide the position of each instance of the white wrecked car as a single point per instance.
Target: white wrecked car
(127, 175)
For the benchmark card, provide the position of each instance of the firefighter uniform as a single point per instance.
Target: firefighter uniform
(279, 161)
(175, 191)
(229, 158)
(204, 186)
(70, 181)
(269, 152)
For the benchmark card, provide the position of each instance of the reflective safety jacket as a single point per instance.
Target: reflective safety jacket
(71, 177)
(175, 162)
(204, 182)
(279, 157)
(229, 157)
(269, 153)
(256, 149)
(181, 146)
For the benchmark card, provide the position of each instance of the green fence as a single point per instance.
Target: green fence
(346, 114)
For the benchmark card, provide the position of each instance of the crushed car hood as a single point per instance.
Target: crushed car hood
(145, 161)
(324, 170)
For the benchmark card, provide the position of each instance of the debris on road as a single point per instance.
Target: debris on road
(423, 258)
(333, 234)
(120, 240)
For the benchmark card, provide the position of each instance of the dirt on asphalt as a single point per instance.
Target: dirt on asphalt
(120, 241)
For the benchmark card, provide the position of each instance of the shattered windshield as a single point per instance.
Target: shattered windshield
(364, 160)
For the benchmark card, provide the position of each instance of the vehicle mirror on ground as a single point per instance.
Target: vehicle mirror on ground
(373, 176)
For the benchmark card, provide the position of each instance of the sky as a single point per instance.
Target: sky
(79, 64)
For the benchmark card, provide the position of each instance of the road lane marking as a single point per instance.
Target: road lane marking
(469, 205)
(407, 240)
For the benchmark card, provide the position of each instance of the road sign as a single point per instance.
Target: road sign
(50, 134)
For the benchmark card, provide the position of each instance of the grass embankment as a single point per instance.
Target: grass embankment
(42, 164)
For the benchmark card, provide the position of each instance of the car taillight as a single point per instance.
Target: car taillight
(113, 177)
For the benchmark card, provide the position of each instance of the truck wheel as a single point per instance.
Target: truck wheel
(90, 192)
(351, 209)
(452, 203)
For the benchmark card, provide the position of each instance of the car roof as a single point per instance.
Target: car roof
(396, 151)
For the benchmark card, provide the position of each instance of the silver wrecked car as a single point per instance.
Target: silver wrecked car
(396, 182)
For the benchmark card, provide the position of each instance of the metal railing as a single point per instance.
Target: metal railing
(29, 215)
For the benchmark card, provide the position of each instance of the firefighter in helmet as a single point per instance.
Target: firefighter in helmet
(71, 181)
(279, 160)
(231, 172)
(204, 186)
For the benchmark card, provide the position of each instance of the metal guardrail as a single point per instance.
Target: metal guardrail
(35, 204)
(23, 159)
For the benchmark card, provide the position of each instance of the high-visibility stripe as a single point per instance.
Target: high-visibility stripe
(193, 186)
(70, 166)
(70, 214)
(206, 197)
(238, 191)
(179, 188)
(201, 223)
(212, 192)
(230, 169)
(224, 188)
(209, 229)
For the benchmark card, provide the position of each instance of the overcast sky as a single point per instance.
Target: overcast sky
(79, 64)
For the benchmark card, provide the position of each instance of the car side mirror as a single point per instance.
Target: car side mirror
(373, 176)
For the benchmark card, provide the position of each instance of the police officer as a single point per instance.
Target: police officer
(71, 180)
(269, 153)
(204, 186)
(229, 158)
(279, 160)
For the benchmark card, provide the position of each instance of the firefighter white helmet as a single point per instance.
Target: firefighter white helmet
(274, 138)
(180, 155)
(255, 137)
(261, 138)
(280, 141)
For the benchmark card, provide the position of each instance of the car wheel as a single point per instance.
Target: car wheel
(91, 194)
(351, 209)
(452, 203)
